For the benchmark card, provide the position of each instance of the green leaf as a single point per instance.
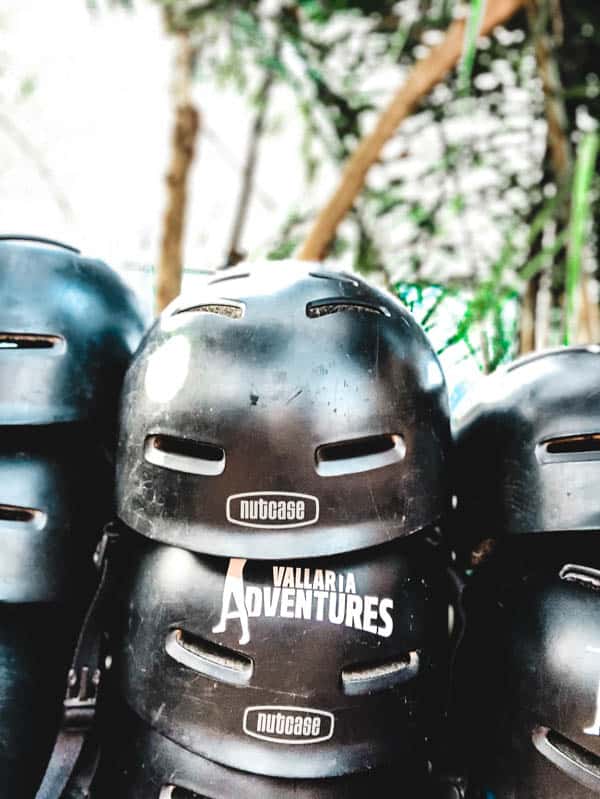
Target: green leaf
(467, 62)
(587, 153)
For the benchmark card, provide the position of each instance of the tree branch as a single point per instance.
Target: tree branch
(423, 77)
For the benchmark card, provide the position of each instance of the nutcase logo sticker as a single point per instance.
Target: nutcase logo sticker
(276, 510)
(287, 724)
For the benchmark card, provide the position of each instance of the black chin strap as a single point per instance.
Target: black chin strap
(75, 747)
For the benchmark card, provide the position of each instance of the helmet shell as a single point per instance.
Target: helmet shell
(296, 669)
(142, 764)
(63, 359)
(284, 412)
(527, 447)
(55, 496)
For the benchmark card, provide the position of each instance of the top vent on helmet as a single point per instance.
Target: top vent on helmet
(233, 310)
(235, 276)
(318, 308)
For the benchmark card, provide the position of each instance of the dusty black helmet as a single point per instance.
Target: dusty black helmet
(296, 669)
(68, 328)
(528, 447)
(55, 496)
(284, 411)
(534, 679)
(140, 763)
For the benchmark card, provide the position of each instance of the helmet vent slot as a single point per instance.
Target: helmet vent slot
(215, 662)
(28, 517)
(363, 679)
(30, 341)
(319, 308)
(229, 277)
(174, 792)
(570, 448)
(233, 310)
(184, 455)
(571, 758)
(359, 455)
(584, 576)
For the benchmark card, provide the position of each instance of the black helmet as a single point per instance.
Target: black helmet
(140, 763)
(285, 411)
(55, 495)
(534, 677)
(241, 661)
(528, 447)
(61, 359)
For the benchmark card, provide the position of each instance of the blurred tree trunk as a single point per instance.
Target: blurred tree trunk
(234, 251)
(545, 22)
(183, 140)
(421, 80)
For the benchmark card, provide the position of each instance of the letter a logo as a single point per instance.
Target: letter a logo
(233, 590)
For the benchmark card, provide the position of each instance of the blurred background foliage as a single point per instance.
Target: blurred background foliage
(480, 212)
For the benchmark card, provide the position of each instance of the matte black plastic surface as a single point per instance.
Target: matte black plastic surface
(141, 764)
(34, 650)
(528, 447)
(279, 380)
(298, 669)
(55, 497)
(530, 667)
(68, 328)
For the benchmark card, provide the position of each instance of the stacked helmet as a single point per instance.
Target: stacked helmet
(528, 447)
(527, 466)
(534, 677)
(295, 668)
(147, 765)
(285, 412)
(68, 328)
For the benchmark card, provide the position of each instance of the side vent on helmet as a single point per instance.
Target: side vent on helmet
(318, 308)
(174, 792)
(184, 455)
(569, 448)
(28, 517)
(31, 341)
(573, 760)
(363, 679)
(233, 310)
(584, 576)
(359, 455)
(204, 657)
